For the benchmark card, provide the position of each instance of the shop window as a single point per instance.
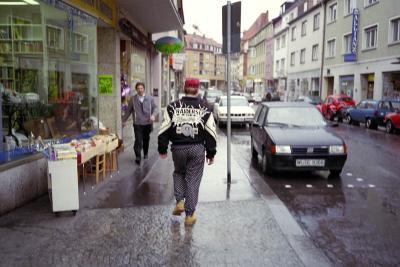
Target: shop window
(48, 75)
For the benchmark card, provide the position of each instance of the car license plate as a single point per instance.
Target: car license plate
(310, 162)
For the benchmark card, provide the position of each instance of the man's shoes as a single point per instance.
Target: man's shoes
(137, 161)
(145, 156)
(179, 208)
(190, 219)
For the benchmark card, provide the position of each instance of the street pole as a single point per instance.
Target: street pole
(228, 54)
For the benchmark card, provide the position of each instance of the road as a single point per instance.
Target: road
(355, 219)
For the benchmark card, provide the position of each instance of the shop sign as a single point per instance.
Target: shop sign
(85, 18)
(354, 38)
(105, 84)
(130, 30)
(177, 61)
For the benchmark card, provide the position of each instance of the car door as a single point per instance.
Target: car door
(383, 108)
(257, 129)
(327, 102)
(357, 113)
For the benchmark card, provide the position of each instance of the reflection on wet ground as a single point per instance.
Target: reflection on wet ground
(354, 219)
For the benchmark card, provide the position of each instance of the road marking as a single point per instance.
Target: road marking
(329, 185)
(349, 174)
(309, 186)
(288, 186)
(360, 179)
(350, 186)
(371, 185)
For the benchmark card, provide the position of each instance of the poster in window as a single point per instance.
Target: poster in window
(105, 84)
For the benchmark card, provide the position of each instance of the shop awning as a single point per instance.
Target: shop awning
(153, 15)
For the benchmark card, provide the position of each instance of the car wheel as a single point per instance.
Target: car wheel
(335, 173)
(266, 168)
(348, 119)
(389, 127)
(254, 153)
(369, 124)
(331, 117)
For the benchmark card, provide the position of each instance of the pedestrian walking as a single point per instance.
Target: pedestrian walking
(189, 124)
(144, 112)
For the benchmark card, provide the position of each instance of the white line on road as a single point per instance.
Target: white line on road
(329, 185)
(360, 179)
(309, 186)
(288, 186)
(371, 185)
(349, 174)
(350, 186)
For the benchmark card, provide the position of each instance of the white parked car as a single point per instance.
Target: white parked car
(241, 112)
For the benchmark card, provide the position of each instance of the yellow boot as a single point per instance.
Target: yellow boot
(179, 208)
(190, 219)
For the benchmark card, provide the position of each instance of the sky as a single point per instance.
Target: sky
(207, 15)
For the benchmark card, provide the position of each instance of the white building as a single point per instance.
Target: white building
(365, 70)
(281, 36)
(304, 49)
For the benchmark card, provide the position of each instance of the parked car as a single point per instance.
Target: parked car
(211, 95)
(292, 136)
(335, 106)
(370, 112)
(255, 97)
(313, 100)
(241, 112)
(392, 119)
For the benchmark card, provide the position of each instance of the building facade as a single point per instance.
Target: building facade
(204, 60)
(281, 36)
(66, 59)
(363, 67)
(304, 50)
(257, 54)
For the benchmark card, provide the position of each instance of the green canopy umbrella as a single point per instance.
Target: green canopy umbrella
(169, 45)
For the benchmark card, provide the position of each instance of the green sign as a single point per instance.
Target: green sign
(106, 84)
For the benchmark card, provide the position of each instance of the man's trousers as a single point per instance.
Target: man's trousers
(189, 166)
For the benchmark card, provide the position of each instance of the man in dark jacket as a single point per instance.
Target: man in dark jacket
(144, 111)
(189, 124)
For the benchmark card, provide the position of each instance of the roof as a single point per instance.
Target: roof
(257, 25)
(194, 38)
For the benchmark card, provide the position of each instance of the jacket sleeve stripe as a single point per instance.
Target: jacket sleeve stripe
(210, 127)
(165, 124)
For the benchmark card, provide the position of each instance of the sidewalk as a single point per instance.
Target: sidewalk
(236, 226)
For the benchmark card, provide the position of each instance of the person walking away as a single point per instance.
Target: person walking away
(144, 111)
(189, 124)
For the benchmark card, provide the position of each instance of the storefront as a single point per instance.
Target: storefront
(391, 85)
(48, 73)
(346, 83)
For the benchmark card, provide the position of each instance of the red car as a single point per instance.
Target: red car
(392, 119)
(336, 106)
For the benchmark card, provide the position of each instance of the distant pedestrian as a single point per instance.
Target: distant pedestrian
(144, 112)
(189, 124)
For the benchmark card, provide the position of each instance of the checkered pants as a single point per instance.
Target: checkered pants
(189, 166)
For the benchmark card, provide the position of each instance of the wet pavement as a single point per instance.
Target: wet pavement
(126, 221)
(355, 219)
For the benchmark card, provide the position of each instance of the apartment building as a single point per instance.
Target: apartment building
(257, 54)
(204, 60)
(304, 49)
(281, 33)
(362, 48)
